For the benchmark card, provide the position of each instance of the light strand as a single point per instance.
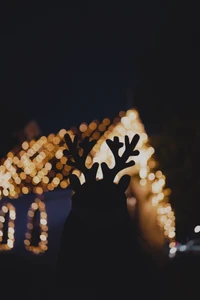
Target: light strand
(41, 166)
(10, 210)
(37, 205)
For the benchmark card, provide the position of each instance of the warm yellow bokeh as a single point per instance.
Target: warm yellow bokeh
(41, 166)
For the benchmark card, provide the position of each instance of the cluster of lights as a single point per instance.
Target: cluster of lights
(175, 247)
(10, 235)
(145, 167)
(41, 165)
(42, 245)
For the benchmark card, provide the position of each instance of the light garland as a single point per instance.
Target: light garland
(41, 165)
(7, 209)
(42, 246)
(145, 167)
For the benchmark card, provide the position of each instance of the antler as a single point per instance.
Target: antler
(120, 161)
(79, 160)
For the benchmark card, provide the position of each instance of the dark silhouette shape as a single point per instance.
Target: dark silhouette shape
(99, 243)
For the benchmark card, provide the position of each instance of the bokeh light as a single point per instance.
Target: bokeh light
(40, 165)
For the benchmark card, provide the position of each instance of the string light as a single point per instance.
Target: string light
(10, 210)
(41, 165)
(42, 245)
(145, 167)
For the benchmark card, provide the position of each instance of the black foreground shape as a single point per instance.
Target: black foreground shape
(99, 246)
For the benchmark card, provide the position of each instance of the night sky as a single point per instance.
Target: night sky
(64, 65)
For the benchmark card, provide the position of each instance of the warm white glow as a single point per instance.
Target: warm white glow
(197, 229)
(41, 166)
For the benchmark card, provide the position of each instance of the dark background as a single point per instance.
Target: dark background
(65, 64)
(62, 65)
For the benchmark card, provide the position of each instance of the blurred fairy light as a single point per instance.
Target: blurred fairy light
(197, 229)
(145, 167)
(38, 205)
(41, 166)
(10, 210)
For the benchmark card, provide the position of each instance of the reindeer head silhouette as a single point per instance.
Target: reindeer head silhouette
(100, 200)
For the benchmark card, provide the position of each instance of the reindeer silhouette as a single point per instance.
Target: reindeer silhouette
(100, 202)
(99, 236)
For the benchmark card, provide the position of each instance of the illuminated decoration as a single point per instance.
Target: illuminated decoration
(7, 209)
(42, 246)
(41, 165)
(145, 167)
